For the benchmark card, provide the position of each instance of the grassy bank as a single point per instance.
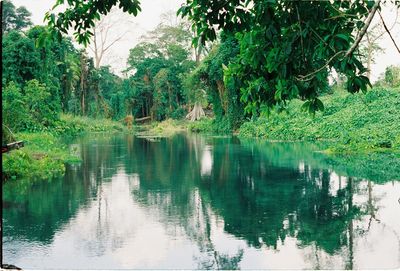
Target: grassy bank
(360, 123)
(69, 125)
(165, 128)
(353, 123)
(44, 153)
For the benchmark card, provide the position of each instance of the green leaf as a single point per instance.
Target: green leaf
(343, 36)
(319, 105)
(306, 106)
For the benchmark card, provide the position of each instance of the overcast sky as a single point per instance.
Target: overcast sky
(149, 18)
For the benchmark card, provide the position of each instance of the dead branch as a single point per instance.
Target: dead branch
(387, 30)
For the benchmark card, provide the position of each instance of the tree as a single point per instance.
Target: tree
(84, 14)
(370, 44)
(287, 47)
(159, 63)
(14, 113)
(20, 58)
(38, 100)
(83, 81)
(208, 77)
(392, 76)
(14, 18)
(103, 38)
(23, 18)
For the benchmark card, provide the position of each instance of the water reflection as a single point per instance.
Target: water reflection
(201, 202)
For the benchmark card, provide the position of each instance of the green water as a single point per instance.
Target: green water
(195, 202)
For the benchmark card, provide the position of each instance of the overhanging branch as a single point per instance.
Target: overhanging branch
(311, 75)
(360, 35)
(364, 29)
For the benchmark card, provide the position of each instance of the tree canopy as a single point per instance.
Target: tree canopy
(66, 80)
(265, 53)
(14, 18)
(286, 47)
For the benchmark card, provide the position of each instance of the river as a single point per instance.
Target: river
(202, 202)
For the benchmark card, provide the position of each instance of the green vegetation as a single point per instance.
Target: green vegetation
(350, 123)
(156, 88)
(379, 167)
(74, 125)
(356, 123)
(209, 77)
(265, 68)
(390, 78)
(47, 75)
(51, 89)
(286, 47)
(42, 157)
(165, 128)
(45, 153)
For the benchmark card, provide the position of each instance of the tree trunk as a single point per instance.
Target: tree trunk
(221, 92)
(369, 60)
(83, 103)
(197, 113)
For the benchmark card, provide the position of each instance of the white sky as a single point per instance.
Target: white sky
(149, 18)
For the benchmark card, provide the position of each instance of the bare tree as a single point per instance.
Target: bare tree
(107, 32)
(370, 45)
(169, 18)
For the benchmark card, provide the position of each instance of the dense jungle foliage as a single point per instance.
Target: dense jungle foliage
(244, 74)
(44, 76)
(287, 48)
(40, 82)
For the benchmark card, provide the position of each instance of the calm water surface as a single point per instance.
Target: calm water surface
(195, 202)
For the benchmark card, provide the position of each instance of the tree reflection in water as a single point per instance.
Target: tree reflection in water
(197, 185)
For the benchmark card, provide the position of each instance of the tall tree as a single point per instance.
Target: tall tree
(105, 35)
(14, 18)
(287, 47)
(158, 63)
(370, 44)
(20, 58)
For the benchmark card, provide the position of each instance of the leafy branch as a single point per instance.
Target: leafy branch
(364, 29)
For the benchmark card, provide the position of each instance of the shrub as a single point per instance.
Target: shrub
(38, 102)
(14, 110)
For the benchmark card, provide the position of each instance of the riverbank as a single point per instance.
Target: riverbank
(352, 123)
(164, 128)
(45, 154)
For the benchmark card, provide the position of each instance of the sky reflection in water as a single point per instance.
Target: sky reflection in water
(200, 202)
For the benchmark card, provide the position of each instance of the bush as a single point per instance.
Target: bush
(210, 126)
(42, 157)
(28, 109)
(14, 110)
(74, 125)
(390, 78)
(179, 113)
(38, 102)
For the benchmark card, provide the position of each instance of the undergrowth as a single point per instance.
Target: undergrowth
(165, 128)
(44, 153)
(354, 122)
